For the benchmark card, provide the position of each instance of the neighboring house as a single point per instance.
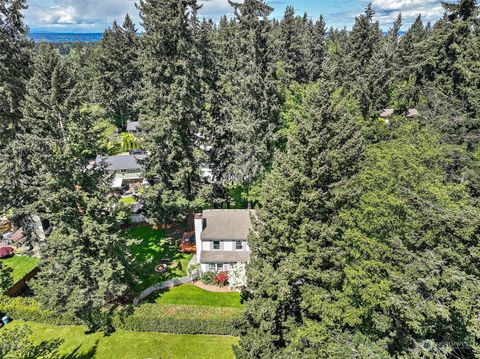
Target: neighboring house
(126, 169)
(388, 112)
(132, 127)
(221, 238)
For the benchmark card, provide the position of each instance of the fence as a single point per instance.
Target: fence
(19, 287)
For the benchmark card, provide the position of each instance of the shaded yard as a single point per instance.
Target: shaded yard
(132, 345)
(21, 265)
(151, 248)
(189, 294)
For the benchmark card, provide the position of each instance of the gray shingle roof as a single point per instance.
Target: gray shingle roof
(117, 163)
(132, 126)
(226, 224)
(224, 256)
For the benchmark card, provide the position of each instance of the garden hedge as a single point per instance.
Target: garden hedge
(149, 317)
(181, 319)
(29, 310)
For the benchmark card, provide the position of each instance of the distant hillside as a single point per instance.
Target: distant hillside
(66, 37)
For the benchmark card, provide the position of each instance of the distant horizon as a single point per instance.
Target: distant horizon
(93, 16)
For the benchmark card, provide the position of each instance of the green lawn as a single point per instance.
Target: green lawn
(129, 201)
(152, 247)
(132, 345)
(21, 266)
(191, 295)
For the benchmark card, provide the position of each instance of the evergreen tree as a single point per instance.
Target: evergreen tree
(316, 48)
(82, 267)
(118, 72)
(171, 108)
(251, 104)
(407, 251)
(366, 65)
(293, 254)
(15, 67)
(291, 52)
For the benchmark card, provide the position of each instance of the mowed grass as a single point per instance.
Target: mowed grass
(132, 345)
(128, 201)
(188, 294)
(152, 246)
(21, 265)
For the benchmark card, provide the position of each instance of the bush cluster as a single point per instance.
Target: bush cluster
(181, 319)
(208, 278)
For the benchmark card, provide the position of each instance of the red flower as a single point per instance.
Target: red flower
(221, 279)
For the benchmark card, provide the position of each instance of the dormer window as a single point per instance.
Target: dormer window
(216, 245)
(239, 245)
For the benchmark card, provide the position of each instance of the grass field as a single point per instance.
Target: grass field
(21, 266)
(189, 294)
(128, 201)
(152, 246)
(132, 345)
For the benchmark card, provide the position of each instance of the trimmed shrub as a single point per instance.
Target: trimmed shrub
(181, 319)
(28, 309)
(208, 278)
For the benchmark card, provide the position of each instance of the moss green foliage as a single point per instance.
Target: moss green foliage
(130, 345)
(20, 265)
(181, 319)
(150, 247)
(189, 294)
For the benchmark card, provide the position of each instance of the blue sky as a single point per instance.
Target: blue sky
(96, 15)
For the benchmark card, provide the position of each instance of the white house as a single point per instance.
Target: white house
(221, 238)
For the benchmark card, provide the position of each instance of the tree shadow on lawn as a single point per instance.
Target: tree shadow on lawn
(76, 354)
(150, 248)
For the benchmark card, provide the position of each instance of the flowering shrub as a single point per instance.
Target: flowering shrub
(221, 279)
(237, 278)
(6, 252)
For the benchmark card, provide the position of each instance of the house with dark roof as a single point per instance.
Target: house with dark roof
(125, 169)
(221, 238)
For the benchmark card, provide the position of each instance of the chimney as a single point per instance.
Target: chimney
(199, 225)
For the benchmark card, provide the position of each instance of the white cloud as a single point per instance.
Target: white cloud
(388, 10)
(78, 14)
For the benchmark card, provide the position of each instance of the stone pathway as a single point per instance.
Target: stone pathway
(158, 287)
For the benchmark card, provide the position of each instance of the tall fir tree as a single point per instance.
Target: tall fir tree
(252, 102)
(82, 266)
(293, 255)
(172, 107)
(15, 67)
(118, 74)
(315, 44)
(291, 49)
